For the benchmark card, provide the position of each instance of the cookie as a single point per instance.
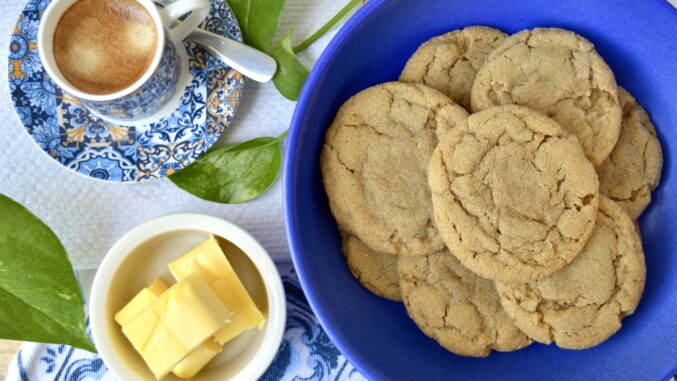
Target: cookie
(455, 307)
(374, 165)
(514, 197)
(449, 62)
(582, 305)
(633, 169)
(377, 272)
(559, 73)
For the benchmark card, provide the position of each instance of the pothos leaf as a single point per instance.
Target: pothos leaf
(291, 74)
(233, 174)
(258, 20)
(349, 7)
(40, 297)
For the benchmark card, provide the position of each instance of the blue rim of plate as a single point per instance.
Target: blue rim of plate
(293, 231)
(330, 53)
(90, 146)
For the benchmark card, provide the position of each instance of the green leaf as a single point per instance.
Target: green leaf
(291, 74)
(258, 20)
(327, 26)
(233, 174)
(40, 297)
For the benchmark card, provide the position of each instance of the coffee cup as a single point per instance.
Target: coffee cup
(119, 58)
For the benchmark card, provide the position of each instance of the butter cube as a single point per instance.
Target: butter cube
(233, 295)
(142, 300)
(208, 262)
(205, 261)
(175, 324)
(197, 360)
(158, 287)
(190, 365)
(192, 312)
(155, 343)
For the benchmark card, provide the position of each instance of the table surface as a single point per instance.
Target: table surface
(7, 351)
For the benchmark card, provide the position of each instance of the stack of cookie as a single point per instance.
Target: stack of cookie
(494, 189)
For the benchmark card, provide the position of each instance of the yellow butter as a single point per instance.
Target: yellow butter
(197, 359)
(233, 295)
(176, 324)
(142, 300)
(155, 343)
(208, 262)
(191, 311)
(158, 287)
(163, 349)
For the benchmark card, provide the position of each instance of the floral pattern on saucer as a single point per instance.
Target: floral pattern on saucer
(132, 152)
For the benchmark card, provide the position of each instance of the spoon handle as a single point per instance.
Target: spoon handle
(250, 62)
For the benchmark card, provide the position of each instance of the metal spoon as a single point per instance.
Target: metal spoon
(250, 62)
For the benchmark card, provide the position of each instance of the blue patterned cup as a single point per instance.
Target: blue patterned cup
(156, 86)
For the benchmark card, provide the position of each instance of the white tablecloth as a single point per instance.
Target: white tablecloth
(89, 216)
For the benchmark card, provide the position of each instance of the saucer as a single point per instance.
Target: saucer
(130, 151)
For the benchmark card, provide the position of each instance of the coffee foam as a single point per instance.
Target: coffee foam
(104, 46)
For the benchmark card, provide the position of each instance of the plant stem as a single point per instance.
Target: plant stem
(330, 24)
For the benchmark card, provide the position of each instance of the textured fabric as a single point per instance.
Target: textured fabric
(306, 352)
(89, 216)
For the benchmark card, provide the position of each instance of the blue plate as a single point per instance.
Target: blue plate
(125, 152)
(639, 41)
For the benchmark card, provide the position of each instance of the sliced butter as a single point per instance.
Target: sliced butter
(208, 262)
(155, 343)
(142, 300)
(175, 324)
(197, 359)
(233, 295)
(192, 311)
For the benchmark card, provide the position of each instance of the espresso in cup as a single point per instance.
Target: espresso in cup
(104, 46)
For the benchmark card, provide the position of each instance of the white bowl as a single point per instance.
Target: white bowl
(144, 253)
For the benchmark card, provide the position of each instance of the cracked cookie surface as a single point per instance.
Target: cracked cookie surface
(514, 197)
(374, 165)
(449, 62)
(377, 272)
(582, 305)
(455, 307)
(558, 73)
(633, 169)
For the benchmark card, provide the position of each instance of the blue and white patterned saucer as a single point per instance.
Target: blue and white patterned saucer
(129, 152)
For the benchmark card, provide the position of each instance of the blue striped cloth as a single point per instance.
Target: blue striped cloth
(306, 352)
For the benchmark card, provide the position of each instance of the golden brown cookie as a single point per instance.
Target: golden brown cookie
(377, 272)
(458, 309)
(449, 62)
(514, 197)
(582, 305)
(374, 165)
(559, 73)
(633, 169)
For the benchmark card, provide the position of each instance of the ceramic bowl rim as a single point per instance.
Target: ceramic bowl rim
(275, 325)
